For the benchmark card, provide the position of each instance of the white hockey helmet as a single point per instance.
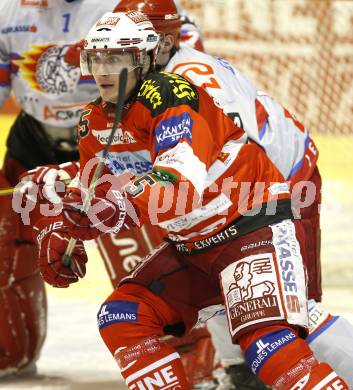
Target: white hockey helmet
(117, 35)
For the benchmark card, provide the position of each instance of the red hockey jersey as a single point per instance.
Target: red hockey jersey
(193, 175)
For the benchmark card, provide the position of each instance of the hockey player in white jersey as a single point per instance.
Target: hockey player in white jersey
(190, 34)
(35, 65)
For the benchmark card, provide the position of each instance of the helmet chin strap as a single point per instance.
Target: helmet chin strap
(140, 74)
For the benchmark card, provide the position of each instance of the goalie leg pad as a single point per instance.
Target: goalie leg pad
(22, 294)
(23, 312)
(122, 251)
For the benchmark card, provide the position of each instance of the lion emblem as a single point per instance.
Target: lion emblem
(247, 281)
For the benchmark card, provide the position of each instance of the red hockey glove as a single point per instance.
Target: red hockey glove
(52, 240)
(50, 181)
(109, 212)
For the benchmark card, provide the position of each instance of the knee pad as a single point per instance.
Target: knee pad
(150, 364)
(132, 313)
(131, 322)
(284, 361)
(266, 347)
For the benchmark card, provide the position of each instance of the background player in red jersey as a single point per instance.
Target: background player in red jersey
(173, 123)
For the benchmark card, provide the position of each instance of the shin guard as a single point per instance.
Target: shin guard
(284, 361)
(131, 322)
(151, 364)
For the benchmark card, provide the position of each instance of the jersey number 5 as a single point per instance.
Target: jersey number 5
(82, 126)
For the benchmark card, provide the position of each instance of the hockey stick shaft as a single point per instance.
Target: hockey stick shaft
(66, 260)
(12, 190)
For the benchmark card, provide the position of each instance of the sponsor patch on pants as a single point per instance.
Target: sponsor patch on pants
(117, 311)
(251, 290)
(291, 272)
(267, 286)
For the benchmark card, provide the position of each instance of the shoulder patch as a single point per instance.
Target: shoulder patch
(162, 90)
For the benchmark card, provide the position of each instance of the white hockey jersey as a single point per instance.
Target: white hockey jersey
(34, 37)
(285, 140)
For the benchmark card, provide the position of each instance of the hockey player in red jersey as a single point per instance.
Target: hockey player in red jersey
(212, 193)
(288, 144)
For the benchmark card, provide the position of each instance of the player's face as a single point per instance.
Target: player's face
(106, 70)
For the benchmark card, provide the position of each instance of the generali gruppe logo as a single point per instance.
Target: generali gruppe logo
(252, 292)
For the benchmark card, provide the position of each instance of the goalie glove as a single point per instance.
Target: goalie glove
(52, 238)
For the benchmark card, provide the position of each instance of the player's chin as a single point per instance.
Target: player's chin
(110, 98)
(109, 93)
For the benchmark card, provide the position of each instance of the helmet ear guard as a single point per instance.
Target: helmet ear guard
(125, 35)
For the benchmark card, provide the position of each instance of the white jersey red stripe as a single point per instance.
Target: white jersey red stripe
(284, 139)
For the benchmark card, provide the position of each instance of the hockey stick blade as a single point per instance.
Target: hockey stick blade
(66, 260)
